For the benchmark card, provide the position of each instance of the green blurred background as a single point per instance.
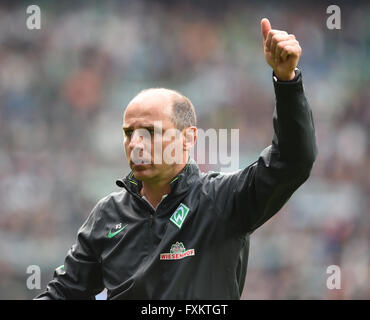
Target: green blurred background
(63, 90)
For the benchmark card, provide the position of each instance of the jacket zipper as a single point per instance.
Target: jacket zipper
(151, 216)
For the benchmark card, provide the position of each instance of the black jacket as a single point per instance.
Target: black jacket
(195, 245)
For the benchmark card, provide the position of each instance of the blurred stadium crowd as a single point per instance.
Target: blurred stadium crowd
(63, 90)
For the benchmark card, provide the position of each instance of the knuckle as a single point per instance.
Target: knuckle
(275, 38)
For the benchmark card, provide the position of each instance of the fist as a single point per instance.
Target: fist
(282, 51)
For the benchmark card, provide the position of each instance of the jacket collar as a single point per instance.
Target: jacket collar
(179, 185)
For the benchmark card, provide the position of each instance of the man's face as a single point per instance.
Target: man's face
(147, 118)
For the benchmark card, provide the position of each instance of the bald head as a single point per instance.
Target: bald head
(162, 149)
(176, 106)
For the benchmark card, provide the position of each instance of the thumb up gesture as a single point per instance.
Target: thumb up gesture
(282, 51)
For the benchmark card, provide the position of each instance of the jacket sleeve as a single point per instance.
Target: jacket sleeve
(80, 276)
(257, 192)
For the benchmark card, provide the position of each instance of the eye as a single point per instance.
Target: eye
(128, 133)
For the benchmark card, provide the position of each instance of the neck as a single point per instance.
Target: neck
(155, 190)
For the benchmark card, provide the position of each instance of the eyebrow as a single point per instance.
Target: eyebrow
(149, 127)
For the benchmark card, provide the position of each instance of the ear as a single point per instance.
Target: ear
(190, 138)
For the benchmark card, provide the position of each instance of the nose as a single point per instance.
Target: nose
(136, 141)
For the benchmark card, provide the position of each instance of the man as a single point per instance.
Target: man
(174, 232)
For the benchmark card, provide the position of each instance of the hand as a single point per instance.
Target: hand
(282, 51)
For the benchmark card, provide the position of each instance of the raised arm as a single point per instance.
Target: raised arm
(254, 194)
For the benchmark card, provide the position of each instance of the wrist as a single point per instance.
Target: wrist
(285, 76)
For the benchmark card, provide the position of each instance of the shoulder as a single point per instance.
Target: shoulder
(112, 198)
(216, 180)
(108, 205)
(214, 176)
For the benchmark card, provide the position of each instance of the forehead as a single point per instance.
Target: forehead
(148, 107)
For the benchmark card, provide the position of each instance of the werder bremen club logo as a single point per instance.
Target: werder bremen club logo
(178, 217)
(177, 252)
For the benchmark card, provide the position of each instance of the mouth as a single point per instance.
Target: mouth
(140, 166)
